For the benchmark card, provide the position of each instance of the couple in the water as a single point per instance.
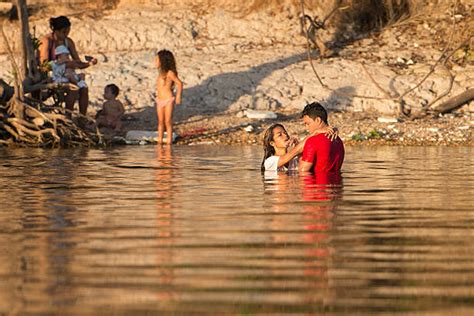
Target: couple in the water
(321, 152)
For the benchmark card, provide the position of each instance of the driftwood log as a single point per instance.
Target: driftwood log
(455, 102)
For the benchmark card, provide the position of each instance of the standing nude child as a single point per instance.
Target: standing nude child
(165, 100)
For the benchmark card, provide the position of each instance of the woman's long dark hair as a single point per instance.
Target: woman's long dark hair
(267, 147)
(167, 62)
(59, 23)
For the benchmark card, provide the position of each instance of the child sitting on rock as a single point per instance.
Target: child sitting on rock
(63, 70)
(112, 111)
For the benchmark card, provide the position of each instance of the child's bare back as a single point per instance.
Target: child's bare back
(113, 109)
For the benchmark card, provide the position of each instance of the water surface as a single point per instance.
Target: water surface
(198, 229)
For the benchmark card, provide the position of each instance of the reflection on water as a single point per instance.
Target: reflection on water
(198, 229)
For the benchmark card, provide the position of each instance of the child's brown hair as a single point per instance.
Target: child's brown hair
(167, 61)
(113, 88)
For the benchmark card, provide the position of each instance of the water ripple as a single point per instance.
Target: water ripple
(198, 230)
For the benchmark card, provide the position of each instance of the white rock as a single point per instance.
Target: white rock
(146, 136)
(400, 60)
(240, 114)
(433, 129)
(464, 127)
(249, 129)
(260, 114)
(387, 119)
(202, 143)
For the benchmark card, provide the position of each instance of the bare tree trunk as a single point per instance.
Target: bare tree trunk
(23, 53)
(28, 55)
(26, 50)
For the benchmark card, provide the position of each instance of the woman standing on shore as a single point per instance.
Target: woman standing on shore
(60, 27)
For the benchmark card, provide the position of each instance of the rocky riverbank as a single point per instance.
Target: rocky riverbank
(354, 128)
(231, 64)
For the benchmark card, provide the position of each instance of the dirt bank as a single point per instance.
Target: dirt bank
(258, 61)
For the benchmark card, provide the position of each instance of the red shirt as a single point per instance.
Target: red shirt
(326, 155)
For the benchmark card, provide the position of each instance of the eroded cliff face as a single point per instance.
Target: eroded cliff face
(235, 61)
(231, 5)
(257, 21)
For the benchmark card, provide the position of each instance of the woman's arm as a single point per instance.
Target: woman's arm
(298, 149)
(179, 85)
(72, 49)
(44, 49)
(330, 132)
(74, 64)
(77, 63)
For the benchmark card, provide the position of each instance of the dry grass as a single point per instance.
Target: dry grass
(357, 15)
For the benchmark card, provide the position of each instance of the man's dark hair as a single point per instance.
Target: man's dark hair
(314, 110)
(113, 88)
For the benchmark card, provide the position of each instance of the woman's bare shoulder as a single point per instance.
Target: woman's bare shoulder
(70, 42)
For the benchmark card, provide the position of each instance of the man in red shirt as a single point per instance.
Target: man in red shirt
(320, 154)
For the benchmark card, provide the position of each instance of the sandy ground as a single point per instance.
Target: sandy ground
(230, 64)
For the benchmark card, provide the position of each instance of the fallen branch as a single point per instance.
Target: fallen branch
(455, 102)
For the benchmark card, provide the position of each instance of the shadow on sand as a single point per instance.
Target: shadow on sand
(216, 94)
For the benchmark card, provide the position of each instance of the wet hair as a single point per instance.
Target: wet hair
(267, 147)
(113, 88)
(59, 23)
(167, 61)
(314, 110)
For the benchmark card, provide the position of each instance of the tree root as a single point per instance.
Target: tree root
(45, 127)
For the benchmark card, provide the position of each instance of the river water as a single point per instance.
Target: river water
(198, 229)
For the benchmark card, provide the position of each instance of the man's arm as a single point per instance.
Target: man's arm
(309, 155)
(305, 166)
